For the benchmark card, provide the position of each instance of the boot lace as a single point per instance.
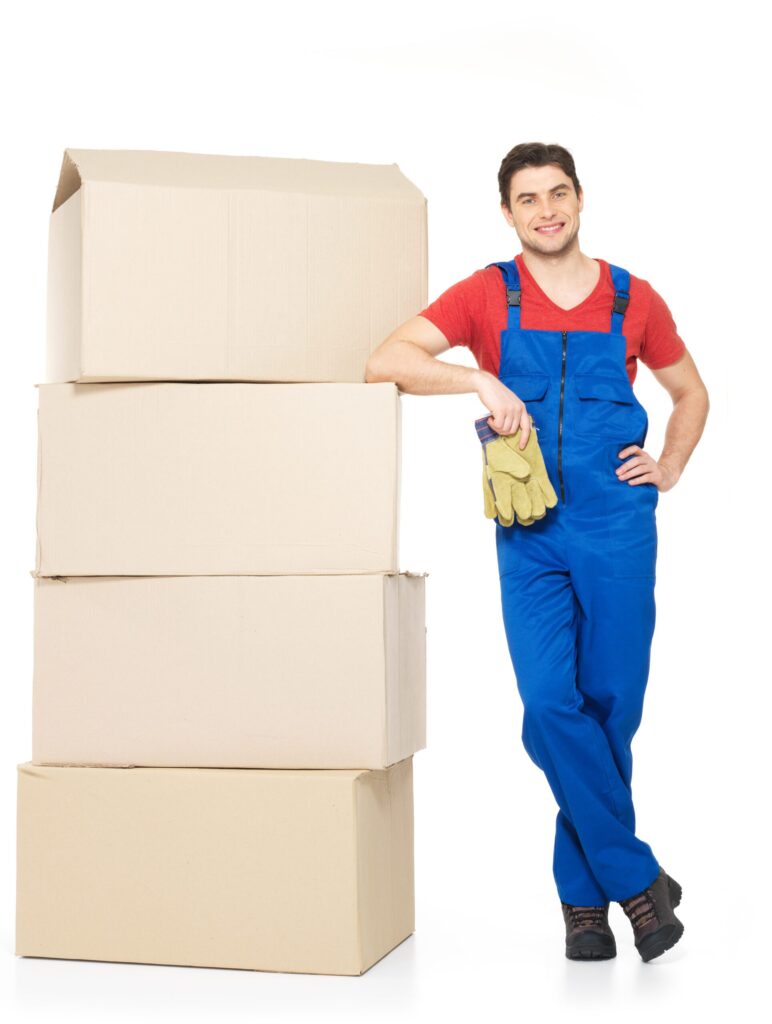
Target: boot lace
(585, 917)
(640, 908)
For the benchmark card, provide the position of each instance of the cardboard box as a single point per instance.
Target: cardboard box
(230, 671)
(158, 479)
(189, 266)
(299, 871)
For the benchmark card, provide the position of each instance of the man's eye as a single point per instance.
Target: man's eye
(558, 194)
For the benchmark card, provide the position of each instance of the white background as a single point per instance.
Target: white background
(661, 107)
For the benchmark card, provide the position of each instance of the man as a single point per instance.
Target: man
(556, 336)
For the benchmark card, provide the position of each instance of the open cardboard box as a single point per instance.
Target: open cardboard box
(191, 266)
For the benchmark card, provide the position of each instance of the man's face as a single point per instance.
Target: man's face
(545, 209)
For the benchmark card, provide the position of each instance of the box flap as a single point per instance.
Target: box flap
(376, 572)
(204, 170)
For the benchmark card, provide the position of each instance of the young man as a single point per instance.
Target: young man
(556, 336)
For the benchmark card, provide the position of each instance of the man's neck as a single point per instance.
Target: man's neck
(566, 278)
(571, 267)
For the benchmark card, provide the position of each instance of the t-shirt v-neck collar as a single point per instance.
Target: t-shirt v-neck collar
(533, 283)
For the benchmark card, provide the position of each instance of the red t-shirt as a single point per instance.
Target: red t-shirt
(473, 313)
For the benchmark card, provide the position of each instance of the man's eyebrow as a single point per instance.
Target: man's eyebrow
(553, 189)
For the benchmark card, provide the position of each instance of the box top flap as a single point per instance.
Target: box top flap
(52, 771)
(41, 577)
(201, 170)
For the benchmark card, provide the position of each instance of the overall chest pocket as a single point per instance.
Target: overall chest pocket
(529, 387)
(607, 409)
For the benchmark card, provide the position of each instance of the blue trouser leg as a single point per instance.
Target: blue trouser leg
(616, 625)
(570, 865)
(581, 677)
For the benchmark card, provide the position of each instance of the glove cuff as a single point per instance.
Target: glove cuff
(484, 431)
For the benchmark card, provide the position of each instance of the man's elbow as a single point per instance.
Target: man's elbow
(371, 373)
(377, 368)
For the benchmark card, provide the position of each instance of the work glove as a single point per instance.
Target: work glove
(505, 472)
(539, 485)
(515, 483)
(490, 503)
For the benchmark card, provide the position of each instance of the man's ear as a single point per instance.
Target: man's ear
(581, 198)
(507, 214)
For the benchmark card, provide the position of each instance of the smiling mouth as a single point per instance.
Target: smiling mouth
(550, 229)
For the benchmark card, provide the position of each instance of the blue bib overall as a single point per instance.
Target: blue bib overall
(577, 593)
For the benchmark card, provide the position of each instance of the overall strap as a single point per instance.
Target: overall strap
(621, 279)
(511, 277)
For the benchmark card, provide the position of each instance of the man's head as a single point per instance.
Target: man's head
(541, 197)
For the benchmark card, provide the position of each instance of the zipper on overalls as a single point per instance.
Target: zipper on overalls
(560, 420)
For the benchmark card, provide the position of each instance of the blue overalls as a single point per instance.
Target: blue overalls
(577, 593)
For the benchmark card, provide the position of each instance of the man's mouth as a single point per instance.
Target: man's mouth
(550, 229)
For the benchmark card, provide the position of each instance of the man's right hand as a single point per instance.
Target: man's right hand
(507, 413)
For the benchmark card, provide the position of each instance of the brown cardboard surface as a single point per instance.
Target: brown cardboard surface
(230, 671)
(297, 871)
(190, 266)
(232, 478)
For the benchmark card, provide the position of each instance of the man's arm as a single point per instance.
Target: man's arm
(407, 357)
(690, 411)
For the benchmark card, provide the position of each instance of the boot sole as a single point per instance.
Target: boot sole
(660, 941)
(675, 891)
(590, 954)
(593, 948)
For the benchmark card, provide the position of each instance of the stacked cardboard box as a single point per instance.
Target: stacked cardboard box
(229, 677)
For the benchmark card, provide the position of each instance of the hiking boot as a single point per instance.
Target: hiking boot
(588, 936)
(655, 926)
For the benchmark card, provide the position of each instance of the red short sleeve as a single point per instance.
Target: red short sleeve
(661, 344)
(453, 311)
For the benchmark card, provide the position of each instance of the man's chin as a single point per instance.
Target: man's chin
(548, 249)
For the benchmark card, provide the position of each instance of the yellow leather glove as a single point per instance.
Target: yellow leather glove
(509, 493)
(490, 502)
(539, 485)
(505, 475)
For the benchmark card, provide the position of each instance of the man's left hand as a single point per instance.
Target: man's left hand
(643, 469)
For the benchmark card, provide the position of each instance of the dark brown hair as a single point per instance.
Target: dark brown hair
(534, 154)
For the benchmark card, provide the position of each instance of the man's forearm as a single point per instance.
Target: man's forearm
(417, 372)
(684, 429)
